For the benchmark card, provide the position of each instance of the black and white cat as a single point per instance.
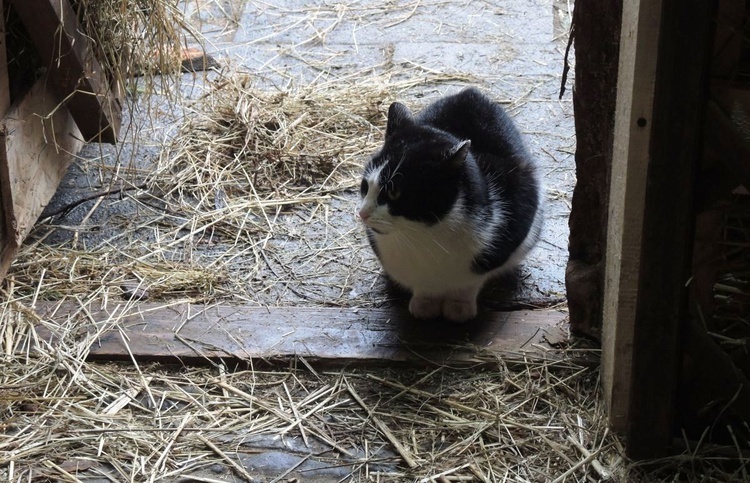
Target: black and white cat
(451, 200)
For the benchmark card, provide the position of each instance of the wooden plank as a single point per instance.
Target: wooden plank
(6, 251)
(4, 86)
(681, 87)
(196, 333)
(38, 140)
(76, 75)
(597, 35)
(635, 97)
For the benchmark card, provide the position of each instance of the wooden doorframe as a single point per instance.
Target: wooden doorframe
(662, 86)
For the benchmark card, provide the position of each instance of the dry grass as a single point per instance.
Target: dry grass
(133, 38)
(247, 204)
(66, 419)
(282, 147)
(730, 326)
(64, 416)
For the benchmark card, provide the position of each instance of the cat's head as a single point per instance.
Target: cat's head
(415, 177)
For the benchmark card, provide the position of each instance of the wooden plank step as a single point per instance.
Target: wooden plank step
(190, 333)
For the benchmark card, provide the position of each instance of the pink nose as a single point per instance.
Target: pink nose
(364, 214)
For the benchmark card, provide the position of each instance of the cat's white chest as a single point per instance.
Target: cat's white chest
(430, 259)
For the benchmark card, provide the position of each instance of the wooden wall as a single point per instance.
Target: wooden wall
(39, 132)
(596, 31)
(637, 279)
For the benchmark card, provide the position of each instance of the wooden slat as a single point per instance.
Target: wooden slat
(194, 333)
(635, 97)
(76, 75)
(661, 104)
(37, 142)
(4, 89)
(685, 47)
(6, 250)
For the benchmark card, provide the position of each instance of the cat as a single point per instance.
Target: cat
(452, 199)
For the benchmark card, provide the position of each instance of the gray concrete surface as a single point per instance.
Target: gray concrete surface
(513, 50)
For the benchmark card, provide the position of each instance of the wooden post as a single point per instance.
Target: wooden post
(596, 34)
(38, 139)
(4, 86)
(635, 97)
(76, 75)
(5, 251)
(662, 88)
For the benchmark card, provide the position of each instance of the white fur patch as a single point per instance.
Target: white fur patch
(429, 260)
(369, 204)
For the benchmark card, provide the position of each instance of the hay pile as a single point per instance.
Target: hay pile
(242, 146)
(66, 419)
(227, 216)
(129, 38)
(132, 38)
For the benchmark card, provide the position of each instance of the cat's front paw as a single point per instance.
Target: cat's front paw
(459, 310)
(425, 307)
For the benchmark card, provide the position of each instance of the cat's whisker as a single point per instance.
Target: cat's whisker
(398, 166)
(425, 245)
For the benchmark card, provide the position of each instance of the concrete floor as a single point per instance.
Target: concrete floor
(513, 51)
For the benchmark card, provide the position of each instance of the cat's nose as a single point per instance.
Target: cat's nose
(364, 214)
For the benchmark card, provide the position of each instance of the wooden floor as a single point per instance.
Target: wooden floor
(190, 333)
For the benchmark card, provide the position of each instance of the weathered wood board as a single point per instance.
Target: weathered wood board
(635, 97)
(195, 333)
(74, 72)
(38, 139)
(4, 89)
(662, 85)
(4, 106)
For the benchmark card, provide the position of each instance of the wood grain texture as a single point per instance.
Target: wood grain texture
(6, 251)
(38, 140)
(74, 72)
(196, 333)
(635, 97)
(680, 94)
(4, 86)
(596, 33)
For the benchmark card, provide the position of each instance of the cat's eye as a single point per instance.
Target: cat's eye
(393, 193)
(364, 187)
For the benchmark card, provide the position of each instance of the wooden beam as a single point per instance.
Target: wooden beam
(4, 86)
(660, 112)
(76, 75)
(38, 139)
(6, 252)
(680, 95)
(635, 98)
(189, 333)
(596, 33)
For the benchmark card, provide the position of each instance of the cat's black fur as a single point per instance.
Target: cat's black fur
(502, 158)
(463, 148)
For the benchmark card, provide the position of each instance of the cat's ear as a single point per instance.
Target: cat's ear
(398, 116)
(457, 153)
